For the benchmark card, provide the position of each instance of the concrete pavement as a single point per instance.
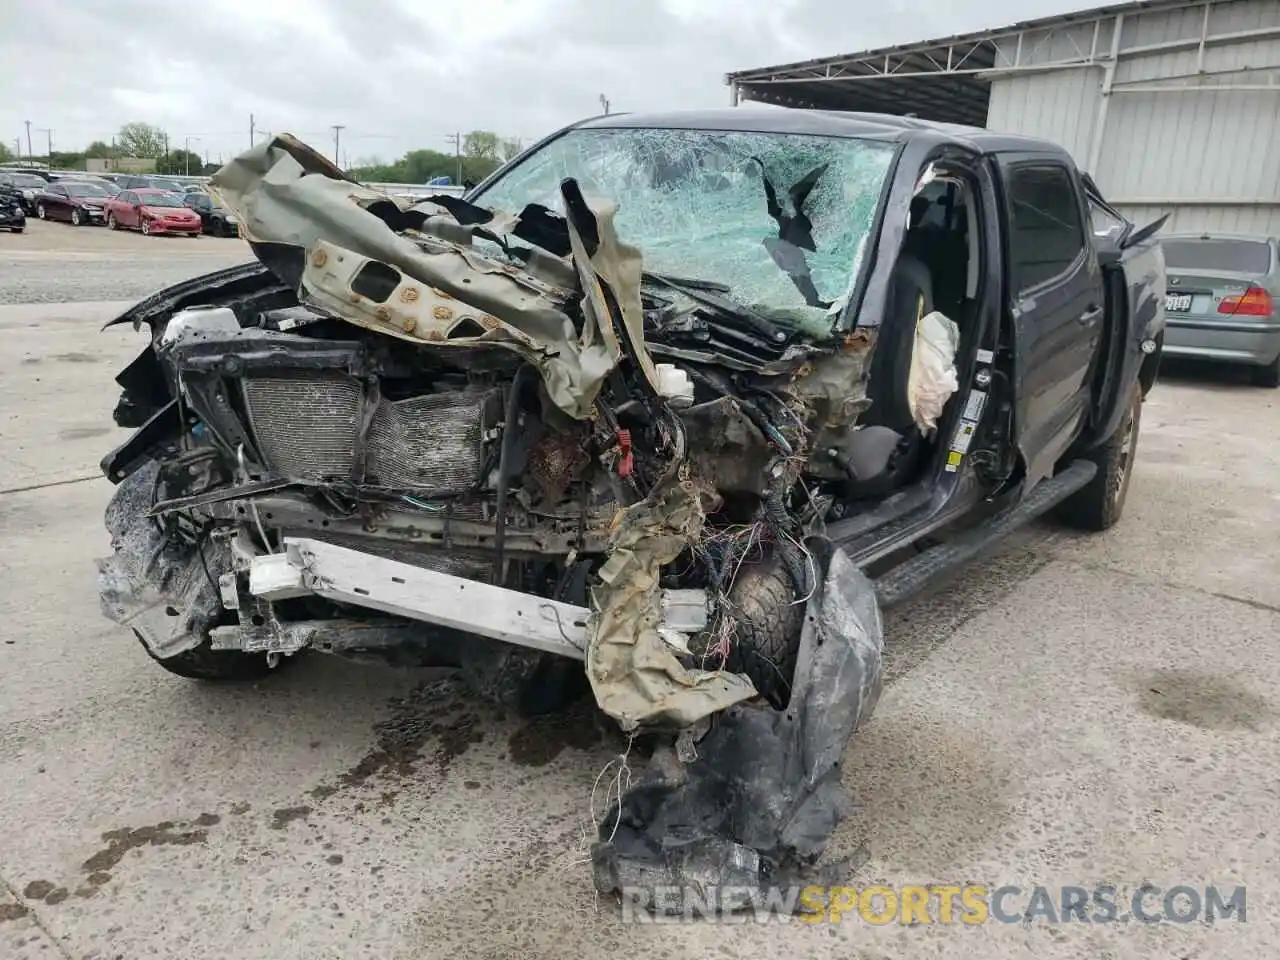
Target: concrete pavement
(1078, 710)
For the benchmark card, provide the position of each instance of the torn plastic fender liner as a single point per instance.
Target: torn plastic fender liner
(759, 803)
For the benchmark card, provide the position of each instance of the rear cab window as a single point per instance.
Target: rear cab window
(1213, 254)
(1047, 237)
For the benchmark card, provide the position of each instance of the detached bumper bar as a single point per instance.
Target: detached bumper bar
(349, 576)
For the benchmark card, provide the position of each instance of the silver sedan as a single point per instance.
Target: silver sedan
(1222, 301)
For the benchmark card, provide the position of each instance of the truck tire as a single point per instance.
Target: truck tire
(767, 639)
(1098, 505)
(205, 663)
(1268, 376)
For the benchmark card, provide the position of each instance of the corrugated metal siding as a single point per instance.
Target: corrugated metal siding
(1211, 157)
(1227, 219)
(1061, 106)
(1222, 145)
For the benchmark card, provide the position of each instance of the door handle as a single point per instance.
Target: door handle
(1090, 315)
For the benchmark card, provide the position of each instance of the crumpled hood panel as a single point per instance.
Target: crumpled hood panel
(439, 291)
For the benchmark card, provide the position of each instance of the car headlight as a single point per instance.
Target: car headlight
(29, 194)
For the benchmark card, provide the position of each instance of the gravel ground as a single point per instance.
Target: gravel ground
(59, 263)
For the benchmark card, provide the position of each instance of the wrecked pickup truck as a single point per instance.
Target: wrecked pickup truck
(655, 409)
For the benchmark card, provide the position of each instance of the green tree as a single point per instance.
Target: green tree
(139, 139)
(481, 145)
(100, 150)
(423, 165)
(66, 161)
(180, 162)
(5, 153)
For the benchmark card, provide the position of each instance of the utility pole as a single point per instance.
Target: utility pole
(604, 104)
(457, 152)
(186, 154)
(30, 154)
(251, 131)
(337, 135)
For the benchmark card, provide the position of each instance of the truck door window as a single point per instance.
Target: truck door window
(1046, 235)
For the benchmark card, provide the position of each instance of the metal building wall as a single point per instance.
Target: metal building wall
(1184, 118)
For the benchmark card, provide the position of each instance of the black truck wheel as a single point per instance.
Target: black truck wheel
(1268, 376)
(767, 638)
(1098, 505)
(205, 663)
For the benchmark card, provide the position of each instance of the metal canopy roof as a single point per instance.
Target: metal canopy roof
(945, 79)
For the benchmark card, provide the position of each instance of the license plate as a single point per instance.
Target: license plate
(1177, 302)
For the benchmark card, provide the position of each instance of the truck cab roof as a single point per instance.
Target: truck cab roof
(828, 123)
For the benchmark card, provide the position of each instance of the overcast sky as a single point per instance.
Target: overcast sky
(400, 77)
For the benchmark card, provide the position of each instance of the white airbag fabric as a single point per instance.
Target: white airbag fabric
(933, 378)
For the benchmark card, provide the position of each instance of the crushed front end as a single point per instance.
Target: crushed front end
(448, 434)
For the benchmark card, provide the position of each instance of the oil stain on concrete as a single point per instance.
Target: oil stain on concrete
(1204, 700)
(120, 842)
(541, 739)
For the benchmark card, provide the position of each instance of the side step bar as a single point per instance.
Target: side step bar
(914, 575)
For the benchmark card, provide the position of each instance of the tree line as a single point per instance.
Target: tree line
(478, 154)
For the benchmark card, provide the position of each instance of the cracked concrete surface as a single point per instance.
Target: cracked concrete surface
(1076, 710)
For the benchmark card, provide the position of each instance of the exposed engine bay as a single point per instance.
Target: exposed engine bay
(629, 471)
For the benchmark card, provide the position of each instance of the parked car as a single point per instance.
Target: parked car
(660, 449)
(1222, 301)
(151, 211)
(106, 183)
(215, 219)
(27, 184)
(12, 215)
(75, 201)
(135, 182)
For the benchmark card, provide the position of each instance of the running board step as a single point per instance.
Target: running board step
(914, 575)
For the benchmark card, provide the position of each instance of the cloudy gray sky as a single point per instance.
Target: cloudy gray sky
(401, 74)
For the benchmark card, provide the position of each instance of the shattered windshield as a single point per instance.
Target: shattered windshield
(777, 218)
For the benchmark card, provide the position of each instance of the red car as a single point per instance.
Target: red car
(151, 211)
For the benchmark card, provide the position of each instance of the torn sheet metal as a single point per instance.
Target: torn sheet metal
(305, 218)
(634, 672)
(834, 387)
(760, 800)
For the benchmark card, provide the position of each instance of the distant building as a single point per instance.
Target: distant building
(1172, 105)
(120, 164)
